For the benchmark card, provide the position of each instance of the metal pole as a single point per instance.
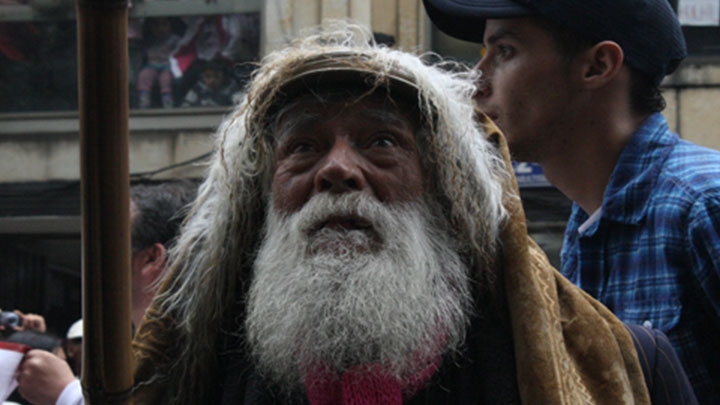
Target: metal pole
(103, 111)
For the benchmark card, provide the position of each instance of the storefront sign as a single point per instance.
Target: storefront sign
(529, 175)
(699, 12)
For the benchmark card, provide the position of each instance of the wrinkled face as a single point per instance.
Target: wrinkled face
(525, 85)
(355, 266)
(367, 146)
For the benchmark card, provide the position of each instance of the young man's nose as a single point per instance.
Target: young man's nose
(483, 89)
(341, 170)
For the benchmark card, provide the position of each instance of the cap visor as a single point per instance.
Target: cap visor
(465, 19)
(341, 70)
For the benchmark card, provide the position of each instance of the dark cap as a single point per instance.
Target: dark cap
(647, 30)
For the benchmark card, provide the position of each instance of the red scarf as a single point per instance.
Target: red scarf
(364, 385)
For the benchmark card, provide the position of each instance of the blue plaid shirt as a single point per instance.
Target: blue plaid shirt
(653, 257)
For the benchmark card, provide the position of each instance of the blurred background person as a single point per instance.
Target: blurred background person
(157, 211)
(234, 38)
(16, 320)
(216, 87)
(73, 346)
(161, 42)
(47, 348)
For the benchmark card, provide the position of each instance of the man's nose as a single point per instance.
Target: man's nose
(482, 85)
(341, 170)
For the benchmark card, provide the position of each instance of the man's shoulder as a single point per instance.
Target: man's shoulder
(692, 170)
(689, 159)
(662, 163)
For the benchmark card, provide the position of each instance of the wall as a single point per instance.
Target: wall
(403, 19)
(48, 149)
(693, 96)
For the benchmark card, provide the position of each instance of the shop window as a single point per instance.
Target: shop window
(180, 55)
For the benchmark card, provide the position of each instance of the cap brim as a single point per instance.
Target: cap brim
(343, 71)
(465, 19)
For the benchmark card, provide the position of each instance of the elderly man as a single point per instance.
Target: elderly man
(359, 240)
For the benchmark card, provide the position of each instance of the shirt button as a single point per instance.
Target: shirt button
(647, 324)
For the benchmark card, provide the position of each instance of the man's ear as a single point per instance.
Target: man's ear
(601, 64)
(154, 263)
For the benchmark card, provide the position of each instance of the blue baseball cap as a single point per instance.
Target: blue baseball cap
(648, 31)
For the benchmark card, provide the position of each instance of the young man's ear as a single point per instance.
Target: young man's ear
(602, 63)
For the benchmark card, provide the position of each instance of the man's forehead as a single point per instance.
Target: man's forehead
(374, 105)
(501, 28)
(360, 97)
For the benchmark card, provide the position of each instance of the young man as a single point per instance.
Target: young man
(359, 240)
(574, 87)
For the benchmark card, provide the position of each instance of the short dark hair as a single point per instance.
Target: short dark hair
(160, 209)
(645, 95)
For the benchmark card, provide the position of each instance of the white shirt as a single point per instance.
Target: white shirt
(71, 395)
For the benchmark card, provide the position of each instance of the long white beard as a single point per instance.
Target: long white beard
(397, 294)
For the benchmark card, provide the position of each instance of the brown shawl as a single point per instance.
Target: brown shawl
(569, 348)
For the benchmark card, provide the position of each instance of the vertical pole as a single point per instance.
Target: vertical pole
(104, 173)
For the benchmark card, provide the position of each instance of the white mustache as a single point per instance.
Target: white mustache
(356, 207)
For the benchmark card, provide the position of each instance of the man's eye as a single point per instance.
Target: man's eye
(383, 141)
(505, 51)
(299, 147)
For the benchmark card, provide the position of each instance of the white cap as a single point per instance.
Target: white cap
(76, 330)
